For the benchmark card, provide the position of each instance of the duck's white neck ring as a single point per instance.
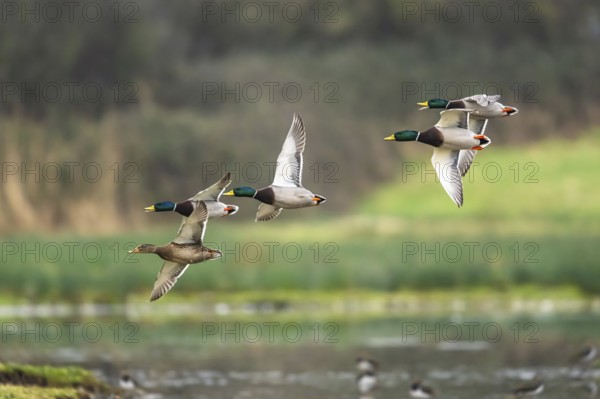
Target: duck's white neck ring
(418, 134)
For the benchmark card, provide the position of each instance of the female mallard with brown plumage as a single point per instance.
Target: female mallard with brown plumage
(286, 192)
(184, 250)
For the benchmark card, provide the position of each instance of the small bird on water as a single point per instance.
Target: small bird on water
(366, 382)
(365, 364)
(126, 382)
(533, 388)
(418, 390)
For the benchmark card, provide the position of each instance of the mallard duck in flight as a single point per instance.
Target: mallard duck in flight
(449, 136)
(286, 192)
(483, 107)
(209, 196)
(184, 250)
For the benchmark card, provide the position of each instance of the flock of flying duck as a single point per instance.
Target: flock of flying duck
(286, 192)
(456, 137)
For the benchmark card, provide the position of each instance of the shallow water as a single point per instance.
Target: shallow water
(296, 357)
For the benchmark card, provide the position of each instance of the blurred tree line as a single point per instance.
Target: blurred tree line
(150, 84)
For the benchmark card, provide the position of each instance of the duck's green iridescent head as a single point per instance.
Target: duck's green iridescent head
(403, 135)
(242, 192)
(161, 207)
(434, 103)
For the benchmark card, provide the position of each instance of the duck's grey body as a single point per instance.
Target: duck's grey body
(484, 106)
(450, 138)
(217, 209)
(286, 197)
(274, 199)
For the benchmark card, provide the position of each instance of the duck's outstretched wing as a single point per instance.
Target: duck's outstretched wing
(445, 163)
(166, 278)
(214, 192)
(454, 118)
(465, 159)
(267, 212)
(289, 162)
(192, 229)
(477, 125)
(483, 99)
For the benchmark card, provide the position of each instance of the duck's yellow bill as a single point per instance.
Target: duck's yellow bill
(150, 208)
(230, 193)
(423, 104)
(390, 138)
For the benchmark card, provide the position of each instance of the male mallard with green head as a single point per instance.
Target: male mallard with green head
(184, 250)
(209, 196)
(286, 192)
(483, 107)
(449, 136)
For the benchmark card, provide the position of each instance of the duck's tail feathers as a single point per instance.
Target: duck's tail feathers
(484, 141)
